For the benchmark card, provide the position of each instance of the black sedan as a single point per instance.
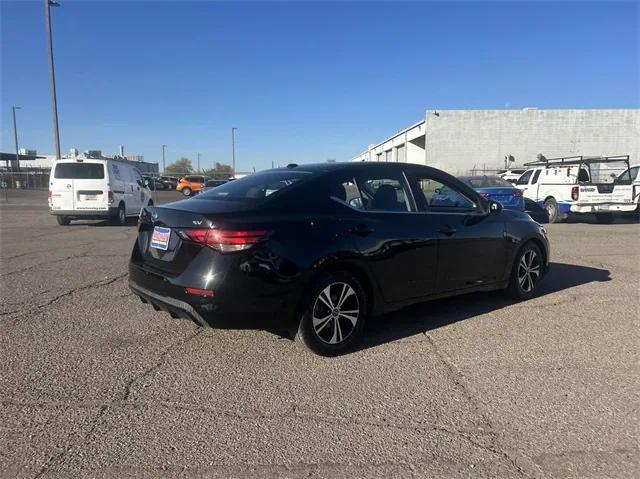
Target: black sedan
(317, 249)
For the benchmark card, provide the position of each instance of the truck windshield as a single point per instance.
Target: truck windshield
(79, 171)
(609, 172)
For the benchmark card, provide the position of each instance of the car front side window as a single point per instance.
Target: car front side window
(439, 196)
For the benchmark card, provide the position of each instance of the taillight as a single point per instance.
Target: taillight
(110, 196)
(199, 292)
(483, 194)
(49, 195)
(517, 193)
(575, 193)
(224, 241)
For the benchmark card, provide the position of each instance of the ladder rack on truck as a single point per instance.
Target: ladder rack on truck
(579, 184)
(577, 160)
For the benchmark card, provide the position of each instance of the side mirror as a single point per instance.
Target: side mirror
(494, 207)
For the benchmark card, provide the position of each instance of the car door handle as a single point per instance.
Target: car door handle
(361, 230)
(447, 230)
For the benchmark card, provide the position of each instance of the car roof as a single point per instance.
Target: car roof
(357, 165)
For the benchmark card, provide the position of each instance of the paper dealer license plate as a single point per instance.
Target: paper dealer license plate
(160, 238)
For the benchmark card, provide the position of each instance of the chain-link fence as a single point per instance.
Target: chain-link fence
(25, 179)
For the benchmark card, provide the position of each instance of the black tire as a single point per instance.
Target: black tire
(63, 220)
(551, 205)
(331, 331)
(186, 191)
(121, 217)
(529, 262)
(605, 218)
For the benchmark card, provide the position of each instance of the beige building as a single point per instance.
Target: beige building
(459, 141)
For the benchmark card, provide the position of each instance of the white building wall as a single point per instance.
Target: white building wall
(459, 140)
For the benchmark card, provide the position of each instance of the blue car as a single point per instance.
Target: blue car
(496, 189)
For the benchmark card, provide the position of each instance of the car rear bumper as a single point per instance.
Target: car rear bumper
(111, 212)
(228, 308)
(603, 208)
(173, 306)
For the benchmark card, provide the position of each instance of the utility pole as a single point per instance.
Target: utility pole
(52, 76)
(163, 166)
(233, 150)
(15, 135)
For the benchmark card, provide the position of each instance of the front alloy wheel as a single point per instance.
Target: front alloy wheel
(335, 315)
(527, 271)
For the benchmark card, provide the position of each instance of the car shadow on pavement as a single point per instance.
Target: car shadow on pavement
(424, 317)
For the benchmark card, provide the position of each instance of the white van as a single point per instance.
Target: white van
(580, 184)
(84, 188)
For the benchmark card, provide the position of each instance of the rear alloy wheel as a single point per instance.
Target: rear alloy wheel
(186, 191)
(551, 205)
(526, 273)
(605, 218)
(335, 315)
(63, 220)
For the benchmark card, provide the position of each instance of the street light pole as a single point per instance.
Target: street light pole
(52, 76)
(199, 163)
(233, 150)
(163, 166)
(15, 135)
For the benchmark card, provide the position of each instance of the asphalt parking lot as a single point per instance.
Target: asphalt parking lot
(95, 383)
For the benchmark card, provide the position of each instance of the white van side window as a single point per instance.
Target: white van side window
(116, 172)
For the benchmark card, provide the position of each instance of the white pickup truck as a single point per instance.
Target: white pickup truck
(580, 184)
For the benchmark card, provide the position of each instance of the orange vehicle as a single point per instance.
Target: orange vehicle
(191, 184)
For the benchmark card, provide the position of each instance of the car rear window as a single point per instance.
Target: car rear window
(79, 171)
(256, 187)
(487, 182)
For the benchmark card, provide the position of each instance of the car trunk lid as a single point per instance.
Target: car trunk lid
(161, 241)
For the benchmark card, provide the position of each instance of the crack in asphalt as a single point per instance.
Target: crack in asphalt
(331, 419)
(158, 363)
(459, 380)
(86, 254)
(58, 459)
(99, 284)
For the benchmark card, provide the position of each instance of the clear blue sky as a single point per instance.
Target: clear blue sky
(302, 81)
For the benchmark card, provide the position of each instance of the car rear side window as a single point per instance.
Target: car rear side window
(383, 192)
(347, 192)
(79, 171)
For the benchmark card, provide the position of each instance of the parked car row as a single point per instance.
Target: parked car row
(194, 184)
(188, 185)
